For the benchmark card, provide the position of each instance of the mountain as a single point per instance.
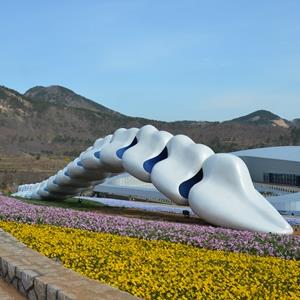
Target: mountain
(296, 122)
(56, 121)
(62, 96)
(61, 122)
(263, 117)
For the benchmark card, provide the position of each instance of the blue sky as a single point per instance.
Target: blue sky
(160, 59)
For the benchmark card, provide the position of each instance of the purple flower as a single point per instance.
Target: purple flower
(208, 237)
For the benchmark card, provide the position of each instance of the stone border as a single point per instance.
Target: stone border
(40, 278)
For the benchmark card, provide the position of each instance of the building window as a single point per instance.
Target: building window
(287, 179)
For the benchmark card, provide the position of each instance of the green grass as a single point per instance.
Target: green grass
(74, 203)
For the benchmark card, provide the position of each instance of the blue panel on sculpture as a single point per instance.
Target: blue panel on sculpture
(121, 151)
(97, 154)
(185, 187)
(66, 174)
(150, 163)
(80, 164)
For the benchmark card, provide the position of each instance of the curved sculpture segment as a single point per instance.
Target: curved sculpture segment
(217, 187)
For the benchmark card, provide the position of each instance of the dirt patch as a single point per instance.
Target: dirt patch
(26, 168)
(148, 215)
(296, 230)
(7, 291)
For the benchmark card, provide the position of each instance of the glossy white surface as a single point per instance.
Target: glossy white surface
(89, 159)
(185, 159)
(121, 138)
(76, 170)
(62, 179)
(151, 143)
(226, 197)
(217, 187)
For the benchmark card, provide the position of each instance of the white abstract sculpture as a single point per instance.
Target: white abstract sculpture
(217, 187)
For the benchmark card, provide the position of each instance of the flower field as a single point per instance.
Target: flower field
(162, 269)
(207, 237)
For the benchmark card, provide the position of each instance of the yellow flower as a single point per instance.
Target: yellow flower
(160, 269)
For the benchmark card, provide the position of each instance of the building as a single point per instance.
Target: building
(125, 186)
(273, 165)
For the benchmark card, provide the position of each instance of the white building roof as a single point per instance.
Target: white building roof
(290, 153)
